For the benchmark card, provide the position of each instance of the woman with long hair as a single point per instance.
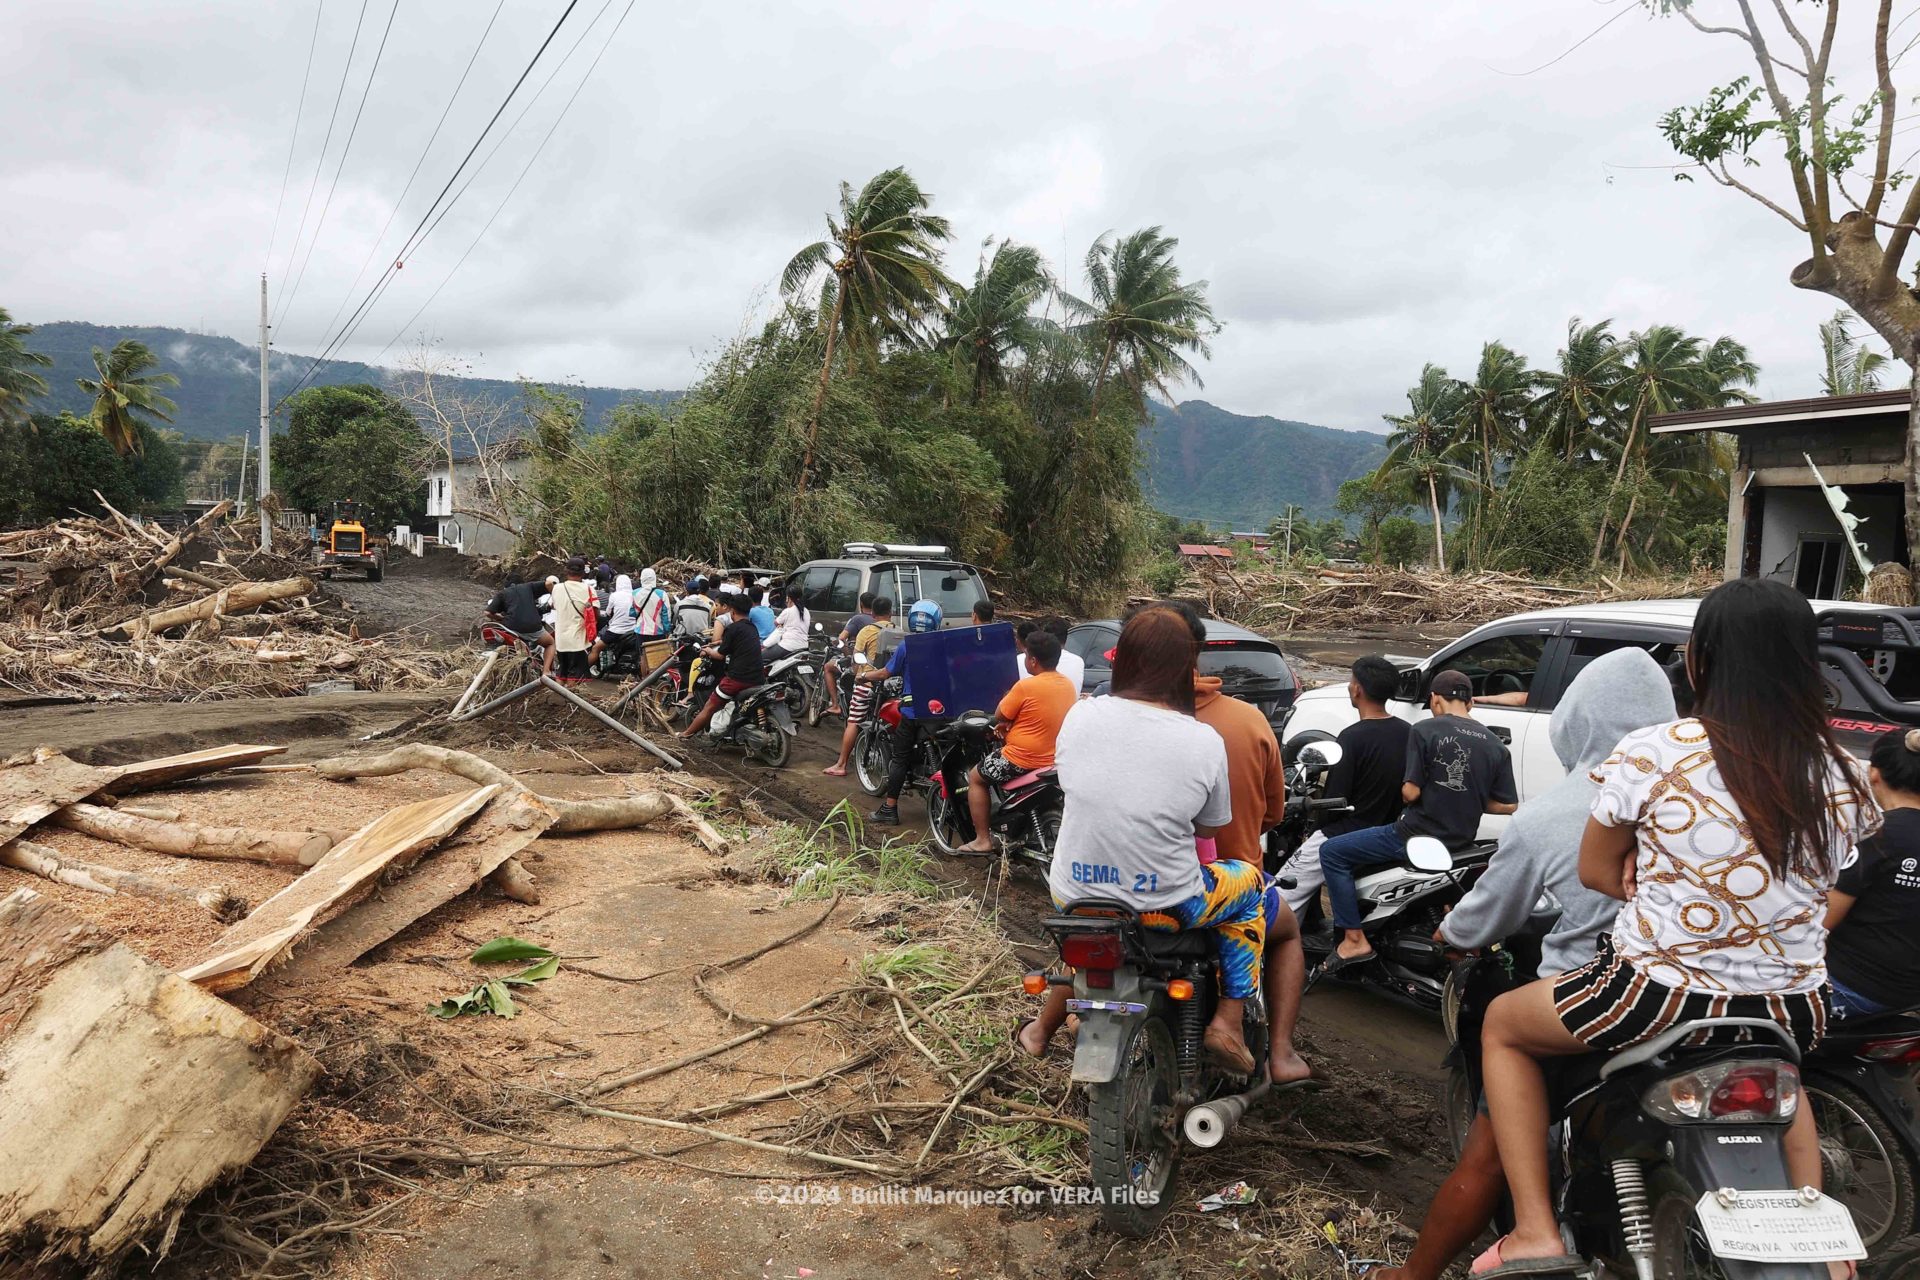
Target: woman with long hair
(1142, 779)
(1722, 833)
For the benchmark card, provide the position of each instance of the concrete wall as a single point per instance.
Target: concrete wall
(1877, 441)
(1789, 515)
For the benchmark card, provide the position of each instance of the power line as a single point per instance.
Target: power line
(300, 107)
(395, 212)
(516, 182)
(321, 162)
(346, 150)
(407, 247)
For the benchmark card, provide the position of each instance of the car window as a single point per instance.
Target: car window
(844, 595)
(818, 586)
(1500, 667)
(1091, 644)
(1671, 655)
(1242, 666)
(886, 582)
(954, 589)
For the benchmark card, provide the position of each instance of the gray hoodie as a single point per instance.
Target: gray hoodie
(1615, 694)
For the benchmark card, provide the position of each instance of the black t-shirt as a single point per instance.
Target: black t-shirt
(1459, 766)
(1876, 949)
(519, 606)
(740, 646)
(1373, 764)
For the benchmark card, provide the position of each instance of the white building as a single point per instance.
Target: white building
(466, 507)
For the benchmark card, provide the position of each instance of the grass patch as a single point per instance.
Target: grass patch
(836, 857)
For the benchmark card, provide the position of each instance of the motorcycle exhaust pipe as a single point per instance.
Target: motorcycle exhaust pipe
(1207, 1124)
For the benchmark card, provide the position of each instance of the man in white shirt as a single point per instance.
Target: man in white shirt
(1072, 665)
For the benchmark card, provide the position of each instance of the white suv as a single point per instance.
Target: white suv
(1870, 658)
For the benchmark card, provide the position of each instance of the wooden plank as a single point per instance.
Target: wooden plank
(124, 1090)
(37, 785)
(345, 874)
(512, 822)
(147, 774)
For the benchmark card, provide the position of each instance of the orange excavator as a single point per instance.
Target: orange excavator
(345, 545)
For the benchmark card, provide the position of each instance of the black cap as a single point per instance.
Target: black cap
(1453, 686)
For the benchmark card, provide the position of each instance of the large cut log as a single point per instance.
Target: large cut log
(344, 875)
(124, 1091)
(189, 840)
(600, 813)
(514, 820)
(51, 864)
(238, 598)
(34, 786)
(148, 774)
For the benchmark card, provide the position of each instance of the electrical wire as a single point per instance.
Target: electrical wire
(417, 165)
(1576, 44)
(516, 182)
(320, 163)
(300, 107)
(346, 150)
(360, 311)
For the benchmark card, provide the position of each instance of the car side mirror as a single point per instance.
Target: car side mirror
(1321, 754)
(1407, 687)
(1428, 854)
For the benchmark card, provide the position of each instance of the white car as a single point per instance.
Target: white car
(1870, 657)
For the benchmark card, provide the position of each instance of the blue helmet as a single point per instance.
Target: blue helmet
(925, 615)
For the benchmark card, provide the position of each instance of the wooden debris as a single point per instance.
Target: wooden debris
(166, 770)
(51, 864)
(189, 840)
(34, 786)
(241, 597)
(514, 881)
(343, 876)
(124, 1091)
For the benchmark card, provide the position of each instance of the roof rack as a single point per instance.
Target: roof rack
(874, 550)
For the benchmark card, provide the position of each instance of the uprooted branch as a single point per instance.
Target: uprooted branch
(187, 840)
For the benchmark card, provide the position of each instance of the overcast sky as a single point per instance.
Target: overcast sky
(1368, 184)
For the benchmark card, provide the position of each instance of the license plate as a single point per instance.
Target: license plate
(1777, 1226)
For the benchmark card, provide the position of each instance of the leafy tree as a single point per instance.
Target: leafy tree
(1374, 499)
(1425, 445)
(125, 395)
(1494, 406)
(351, 443)
(52, 466)
(1139, 316)
(1399, 541)
(885, 280)
(994, 321)
(1852, 367)
(19, 384)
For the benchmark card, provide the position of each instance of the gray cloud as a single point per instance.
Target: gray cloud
(1361, 185)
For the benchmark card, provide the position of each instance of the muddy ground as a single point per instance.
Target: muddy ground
(1366, 1153)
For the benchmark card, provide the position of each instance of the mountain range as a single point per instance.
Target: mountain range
(1199, 461)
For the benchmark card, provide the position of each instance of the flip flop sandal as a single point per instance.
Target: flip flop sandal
(1336, 964)
(1490, 1266)
(1309, 1084)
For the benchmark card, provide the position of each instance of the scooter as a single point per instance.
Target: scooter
(1144, 998)
(1024, 814)
(1860, 1084)
(757, 720)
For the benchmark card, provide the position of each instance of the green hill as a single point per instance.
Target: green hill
(219, 391)
(1202, 463)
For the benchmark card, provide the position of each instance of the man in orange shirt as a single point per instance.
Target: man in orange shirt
(1029, 720)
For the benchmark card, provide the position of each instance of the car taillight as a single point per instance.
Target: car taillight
(1902, 1049)
(1728, 1092)
(1093, 950)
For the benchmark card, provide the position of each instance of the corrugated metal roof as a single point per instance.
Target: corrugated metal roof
(1781, 412)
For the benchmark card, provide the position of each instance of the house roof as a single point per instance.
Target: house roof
(1768, 413)
(1205, 549)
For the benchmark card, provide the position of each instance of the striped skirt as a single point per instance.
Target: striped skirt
(1608, 1005)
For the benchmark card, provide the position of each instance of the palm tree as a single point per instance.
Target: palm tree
(1140, 316)
(1852, 367)
(994, 319)
(1579, 393)
(1494, 407)
(885, 280)
(125, 393)
(1425, 443)
(18, 382)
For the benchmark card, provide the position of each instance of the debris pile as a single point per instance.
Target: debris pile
(108, 608)
(1373, 598)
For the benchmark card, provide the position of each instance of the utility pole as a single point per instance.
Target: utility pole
(266, 476)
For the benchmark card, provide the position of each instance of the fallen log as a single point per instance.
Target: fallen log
(515, 882)
(147, 774)
(36, 785)
(238, 598)
(51, 864)
(124, 1091)
(188, 840)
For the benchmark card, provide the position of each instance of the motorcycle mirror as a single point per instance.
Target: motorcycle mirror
(1326, 754)
(1428, 854)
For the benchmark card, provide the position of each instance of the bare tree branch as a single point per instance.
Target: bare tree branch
(1813, 208)
(1759, 50)
(1883, 146)
(1726, 179)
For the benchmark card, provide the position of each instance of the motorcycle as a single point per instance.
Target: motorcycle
(1401, 905)
(873, 745)
(1860, 1084)
(1024, 814)
(1668, 1159)
(1144, 998)
(799, 673)
(757, 720)
(663, 689)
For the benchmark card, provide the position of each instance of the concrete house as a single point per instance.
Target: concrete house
(467, 510)
(1779, 524)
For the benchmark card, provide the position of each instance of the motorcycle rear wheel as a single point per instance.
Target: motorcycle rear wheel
(800, 699)
(1133, 1138)
(774, 748)
(1901, 1262)
(1862, 1164)
(1680, 1249)
(1044, 835)
(816, 704)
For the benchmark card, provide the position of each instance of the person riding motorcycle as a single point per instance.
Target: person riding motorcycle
(1028, 720)
(516, 607)
(693, 618)
(923, 617)
(739, 648)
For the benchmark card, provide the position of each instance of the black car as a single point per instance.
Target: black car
(1249, 665)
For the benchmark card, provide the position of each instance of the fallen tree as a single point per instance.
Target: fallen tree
(51, 864)
(187, 840)
(241, 597)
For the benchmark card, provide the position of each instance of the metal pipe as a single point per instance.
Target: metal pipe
(1207, 1124)
(473, 686)
(504, 699)
(578, 701)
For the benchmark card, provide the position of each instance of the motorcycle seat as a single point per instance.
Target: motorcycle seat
(1028, 779)
(1194, 943)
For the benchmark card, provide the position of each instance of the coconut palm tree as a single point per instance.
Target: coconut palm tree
(1579, 393)
(994, 319)
(1494, 405)
(1140, 316)
(1852, 367)
(18, 381)
(1426, 442)
(883, 278)
(125, 393)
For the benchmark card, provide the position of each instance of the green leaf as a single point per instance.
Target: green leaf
(498, 999)
(467, 1003)
(535, 973)
(509, 948)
